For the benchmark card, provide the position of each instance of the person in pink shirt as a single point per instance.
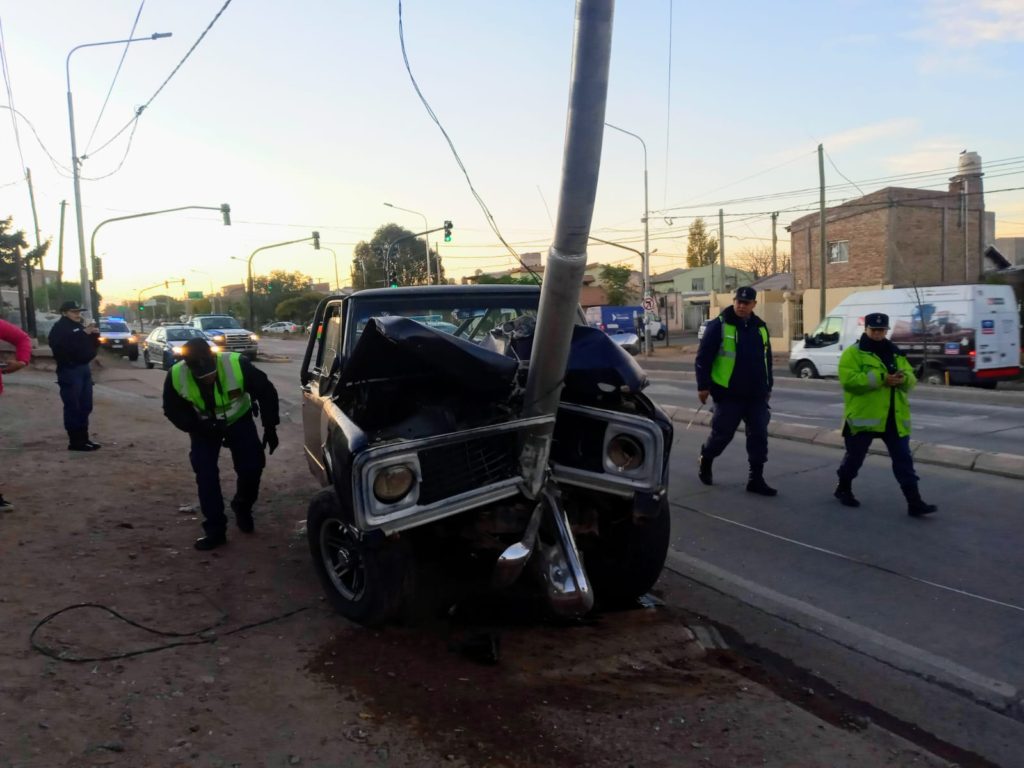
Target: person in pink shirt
(22, 343)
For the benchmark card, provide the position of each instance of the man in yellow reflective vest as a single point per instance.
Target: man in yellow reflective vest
(734, 368)
(876, 379)
(214, 397)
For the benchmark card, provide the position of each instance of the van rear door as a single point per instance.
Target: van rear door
(997, 333)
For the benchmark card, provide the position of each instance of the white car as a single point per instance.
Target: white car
(282, 327)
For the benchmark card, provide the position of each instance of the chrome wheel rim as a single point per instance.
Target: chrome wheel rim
(339, 552)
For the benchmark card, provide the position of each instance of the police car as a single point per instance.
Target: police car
(116, 336)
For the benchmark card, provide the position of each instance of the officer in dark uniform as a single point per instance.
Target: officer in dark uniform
(734, 367)
(213, 397)
(74, 346)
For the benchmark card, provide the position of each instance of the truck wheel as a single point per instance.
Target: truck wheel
(661, 335)
(133, 354)
(934, 376)
(628, 557)
(145, 358)
(368, 582)
(805, 370)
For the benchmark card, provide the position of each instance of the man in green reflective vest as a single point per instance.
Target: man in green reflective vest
(876, 379)
(734, 368)
(214, 397)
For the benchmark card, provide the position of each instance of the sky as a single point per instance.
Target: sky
(302, 116)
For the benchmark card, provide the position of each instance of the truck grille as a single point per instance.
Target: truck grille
(455, 468)
(237, 342)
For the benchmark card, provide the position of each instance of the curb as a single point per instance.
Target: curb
(1003, 464)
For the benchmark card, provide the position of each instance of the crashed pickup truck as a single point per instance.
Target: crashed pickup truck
(414, 421)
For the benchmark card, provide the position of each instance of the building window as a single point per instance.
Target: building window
(838, 251)
(697, 284)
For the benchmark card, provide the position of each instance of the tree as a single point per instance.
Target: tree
(270, 290)
(701, 247)
(298, 309)
(615, 281)
(11, 244)
(371, 263)
(201, 307)
(483, 279)
(49, 294)
(759, 261)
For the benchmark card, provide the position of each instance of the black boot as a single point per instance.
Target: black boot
(756, 483)
(243, 518)
(211, 541)
(704, 470)
(844, 492)
(78, 440)
(916, 506)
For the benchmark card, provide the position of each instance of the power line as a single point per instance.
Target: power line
(10, 94)
(61, 169)
(113, 82)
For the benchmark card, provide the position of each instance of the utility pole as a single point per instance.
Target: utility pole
(775, 245)
(35, 222)
(30, 306)
(60, 252)
(721, 245)
(821, 228)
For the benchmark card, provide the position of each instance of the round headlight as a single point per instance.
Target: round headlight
(392, 483)
(255, 337)
(625, 452)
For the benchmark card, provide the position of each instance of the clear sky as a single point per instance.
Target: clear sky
(301, 116)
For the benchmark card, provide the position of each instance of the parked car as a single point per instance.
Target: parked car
(416, 435)
(163, 345)
(281, 327)
(116, 336)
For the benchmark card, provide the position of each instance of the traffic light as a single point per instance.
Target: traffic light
(447, 231)
(316, 241)
(225, 212)
(97, 269)
(393, 278)
(142, 307)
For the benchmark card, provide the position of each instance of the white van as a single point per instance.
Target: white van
(956, 334)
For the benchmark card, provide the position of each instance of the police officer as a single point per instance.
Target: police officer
(734, 367)
(74, 346)
(876, 379)
(213, 397)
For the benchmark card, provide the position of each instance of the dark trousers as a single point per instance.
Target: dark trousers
(754, 413)
(247, 457)
(899, 451)
(76, 391)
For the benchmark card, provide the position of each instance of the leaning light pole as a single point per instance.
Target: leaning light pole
(84, 269)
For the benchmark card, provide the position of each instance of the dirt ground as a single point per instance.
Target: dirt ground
(253, 669)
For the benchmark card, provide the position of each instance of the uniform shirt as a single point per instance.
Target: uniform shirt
(70, 344)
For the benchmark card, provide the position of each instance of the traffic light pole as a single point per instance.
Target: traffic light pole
(138, 303)
(315, 238)
(387, 253)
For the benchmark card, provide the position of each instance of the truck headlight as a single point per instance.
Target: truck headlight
(392, 483)
(255, 337)
(133, 339)
(103, 339)
(625, 452)
(219, 337)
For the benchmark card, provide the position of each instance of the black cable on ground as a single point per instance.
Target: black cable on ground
(196, 637)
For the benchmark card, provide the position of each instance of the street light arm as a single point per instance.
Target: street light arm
(315, 236)
(618, 245)
(67, 62)
(92, 240)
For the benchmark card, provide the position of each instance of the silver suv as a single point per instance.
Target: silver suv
(226, 333)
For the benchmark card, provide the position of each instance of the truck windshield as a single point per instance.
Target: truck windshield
(217, 323)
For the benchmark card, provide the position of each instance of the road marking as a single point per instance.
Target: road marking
(826, 624)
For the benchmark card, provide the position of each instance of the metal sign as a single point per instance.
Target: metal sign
(649, 303)
(195, 294)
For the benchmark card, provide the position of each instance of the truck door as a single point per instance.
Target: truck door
(322, 372)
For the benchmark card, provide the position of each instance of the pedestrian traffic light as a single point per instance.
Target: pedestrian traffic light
(447, 231)
(316, 241)
(97, 269)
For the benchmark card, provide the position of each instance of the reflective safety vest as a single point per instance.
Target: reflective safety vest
(866, 399)
(231, 401)
(725, 361)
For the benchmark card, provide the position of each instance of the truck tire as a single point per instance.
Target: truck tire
(661, 335)
(145, 359)
(367, 581)
(933, 375)
(628, 557)
(133, 354)
(805, 370)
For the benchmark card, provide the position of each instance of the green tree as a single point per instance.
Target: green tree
(201, 307)
(701, 247)
(615, 281)
(67, 292)
(270, 290)
(299, 309)
(407, 259)
(11, 244)
(504, 280)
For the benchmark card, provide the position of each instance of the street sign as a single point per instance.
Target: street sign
(195, 294)
(649, 303)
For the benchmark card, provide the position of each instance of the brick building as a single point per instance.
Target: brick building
(899, 236)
